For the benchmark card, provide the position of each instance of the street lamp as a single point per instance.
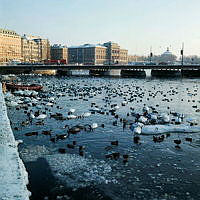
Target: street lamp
(182, 51)
(151, 55)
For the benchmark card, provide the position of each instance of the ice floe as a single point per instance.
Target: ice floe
(160, 129)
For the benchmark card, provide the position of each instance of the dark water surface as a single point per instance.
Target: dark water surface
(153, 170)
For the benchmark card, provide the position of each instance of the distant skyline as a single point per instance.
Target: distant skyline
(135, 25)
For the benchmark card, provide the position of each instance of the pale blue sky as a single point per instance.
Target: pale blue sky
(134, 24)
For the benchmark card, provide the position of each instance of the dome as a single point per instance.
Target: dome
(167, 53)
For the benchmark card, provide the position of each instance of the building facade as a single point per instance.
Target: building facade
(59, 53)
(87, 54)
(34, 49)
(116, 55)
(44, 49)
(10, 46)
(30, 50)
(108, 53)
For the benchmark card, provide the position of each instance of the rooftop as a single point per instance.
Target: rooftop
(88, 46)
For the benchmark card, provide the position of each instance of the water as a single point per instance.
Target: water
(153, 170)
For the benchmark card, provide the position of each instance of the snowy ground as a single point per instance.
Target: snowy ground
(13, 175)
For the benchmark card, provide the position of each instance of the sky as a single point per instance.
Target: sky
(136, 25)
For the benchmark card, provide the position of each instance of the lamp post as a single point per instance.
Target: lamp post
(182, 51)
(151, 55)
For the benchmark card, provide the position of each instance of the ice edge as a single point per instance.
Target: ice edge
(13, 175)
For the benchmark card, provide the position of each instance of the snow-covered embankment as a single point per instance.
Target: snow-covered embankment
(13, 175)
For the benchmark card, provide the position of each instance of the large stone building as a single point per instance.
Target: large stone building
(10, 46)
(116, 55)
(35, 49)
(59, 53)
(108, 53)
(30, 50)
(87, 54)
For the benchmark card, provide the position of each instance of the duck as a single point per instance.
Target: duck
(136, 139)
(71, 117)
(72, 110)
(62, 137)
(115, 143)
(94, 126)
(165, 118)
(62, 150)
(87, 114)
(137, 130)
(41, 116)
(31, 133)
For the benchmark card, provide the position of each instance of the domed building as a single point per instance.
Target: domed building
(167, 57)
(167, 53)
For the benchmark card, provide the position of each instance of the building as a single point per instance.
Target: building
(116, 55)
(59, 53)
(108, 53)
(10, 46)
(30, 49)
(44, 49)
(35, 49)
(87, 54)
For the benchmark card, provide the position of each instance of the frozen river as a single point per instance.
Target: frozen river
(105, 162)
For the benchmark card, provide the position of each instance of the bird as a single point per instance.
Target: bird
(136, 139)
(70, 146)
(177, 142)
(188, 139)
(94, 125)
(115, 143)
(62, 150)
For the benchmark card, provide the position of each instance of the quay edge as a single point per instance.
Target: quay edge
(13, 175)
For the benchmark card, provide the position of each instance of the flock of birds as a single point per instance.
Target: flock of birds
(109, 100)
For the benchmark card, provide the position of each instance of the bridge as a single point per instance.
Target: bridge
(97, 67)
(124, 69)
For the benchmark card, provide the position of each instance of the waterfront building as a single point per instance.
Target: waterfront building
(35, 49)
(167, 57)
(87, 54)
(44, 49)
(30, 50)
(59, 53)
(10, 46)
(116, 55)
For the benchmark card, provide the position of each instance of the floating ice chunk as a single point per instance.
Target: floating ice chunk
(76, 172)
(160, 129)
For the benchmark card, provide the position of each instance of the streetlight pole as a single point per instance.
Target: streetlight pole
(151, 54)
(182, 52)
